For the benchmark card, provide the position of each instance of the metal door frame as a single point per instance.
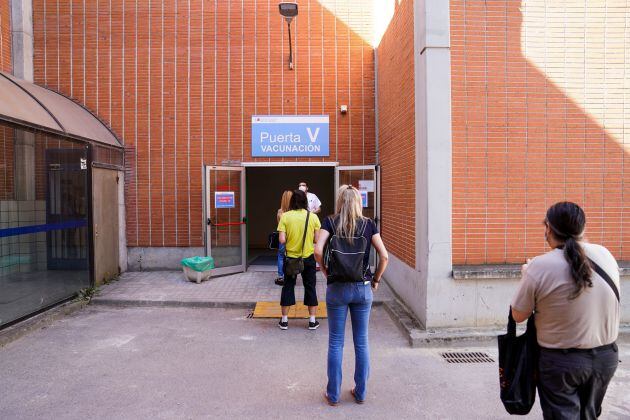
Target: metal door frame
(52, 262)
(377, 195)
(377, 186)
(208, 216)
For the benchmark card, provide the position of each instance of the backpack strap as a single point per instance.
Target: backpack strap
(605, 276)
(365, 223)
(332, 223)
(308, 214)
(364, 227)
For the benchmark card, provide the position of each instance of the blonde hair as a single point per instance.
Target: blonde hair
(349, 211)
(286, 199)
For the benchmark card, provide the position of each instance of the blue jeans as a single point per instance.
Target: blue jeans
(281, 249)
(339, 298)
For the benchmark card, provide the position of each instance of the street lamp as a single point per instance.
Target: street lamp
(289, 11)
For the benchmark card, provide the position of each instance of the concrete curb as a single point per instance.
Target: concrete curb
(402, 317)
(466, 336)
(39, 321)
(456, 337)
(130, 303)
(419, 337)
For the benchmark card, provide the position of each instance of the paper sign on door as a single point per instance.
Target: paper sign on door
(224, 200)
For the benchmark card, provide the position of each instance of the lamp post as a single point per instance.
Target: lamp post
(289, 11)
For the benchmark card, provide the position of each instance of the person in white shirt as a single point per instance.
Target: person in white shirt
(314, 205)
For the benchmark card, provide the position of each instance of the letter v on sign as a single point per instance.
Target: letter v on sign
(310, 134)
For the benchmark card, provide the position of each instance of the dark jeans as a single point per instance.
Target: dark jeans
(573, 384)
(287, 298)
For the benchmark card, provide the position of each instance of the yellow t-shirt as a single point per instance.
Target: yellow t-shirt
(292, 223)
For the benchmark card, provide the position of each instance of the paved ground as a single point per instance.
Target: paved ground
(180, 363)
(171, 286)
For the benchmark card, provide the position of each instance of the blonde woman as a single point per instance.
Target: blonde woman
(284, 207)
(346, 293)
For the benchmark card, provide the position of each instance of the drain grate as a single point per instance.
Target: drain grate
(467, 357)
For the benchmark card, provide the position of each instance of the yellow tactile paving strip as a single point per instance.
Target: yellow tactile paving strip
(272, 310)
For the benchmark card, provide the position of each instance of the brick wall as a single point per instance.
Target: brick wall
(179, 81)
(397, 132)
(539, 100)
(5, 36)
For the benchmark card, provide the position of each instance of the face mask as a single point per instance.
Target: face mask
(303, 188)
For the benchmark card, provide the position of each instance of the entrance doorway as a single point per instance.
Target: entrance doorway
(264, 186)
(241, 204)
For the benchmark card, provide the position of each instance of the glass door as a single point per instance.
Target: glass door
(66, 209)
(225, 218)
(366, 180)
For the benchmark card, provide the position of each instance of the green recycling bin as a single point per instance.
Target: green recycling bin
(198, 269)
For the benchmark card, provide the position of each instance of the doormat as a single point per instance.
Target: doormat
(265, 260)
(272, 310)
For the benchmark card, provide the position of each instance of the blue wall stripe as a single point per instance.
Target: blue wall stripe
(24, 230)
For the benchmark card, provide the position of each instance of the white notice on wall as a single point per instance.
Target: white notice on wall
(366, 185)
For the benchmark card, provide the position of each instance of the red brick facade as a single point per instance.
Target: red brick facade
(5, 36)
(520, 142)
(396, 112)
(179, 80)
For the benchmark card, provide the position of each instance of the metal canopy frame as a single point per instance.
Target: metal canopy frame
(29, 105)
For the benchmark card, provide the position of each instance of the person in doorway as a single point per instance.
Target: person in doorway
(299, 244)
(573, 292)
(284, 207)
(314, 205)
(356, 296)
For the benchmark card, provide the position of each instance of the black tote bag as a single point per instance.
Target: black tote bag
(518, 367)
(294, 266)
(273, 241)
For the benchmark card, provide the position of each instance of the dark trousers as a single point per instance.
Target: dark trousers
(572, 385)
(287, 298)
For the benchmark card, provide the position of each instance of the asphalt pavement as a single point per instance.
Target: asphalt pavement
(188, 363)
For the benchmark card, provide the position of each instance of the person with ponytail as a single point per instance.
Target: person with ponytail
(573, 290)
(352, 294)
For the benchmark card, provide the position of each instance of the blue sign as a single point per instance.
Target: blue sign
(290, 135)
(364, 199)
(224, 200)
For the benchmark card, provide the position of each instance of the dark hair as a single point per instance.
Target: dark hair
(566, 221)
(298, 201)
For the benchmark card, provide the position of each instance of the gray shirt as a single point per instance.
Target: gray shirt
(590, 320)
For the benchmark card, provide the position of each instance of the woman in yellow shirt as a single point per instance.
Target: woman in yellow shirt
(291, 228)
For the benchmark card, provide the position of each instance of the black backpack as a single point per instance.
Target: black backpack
(344, 260)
